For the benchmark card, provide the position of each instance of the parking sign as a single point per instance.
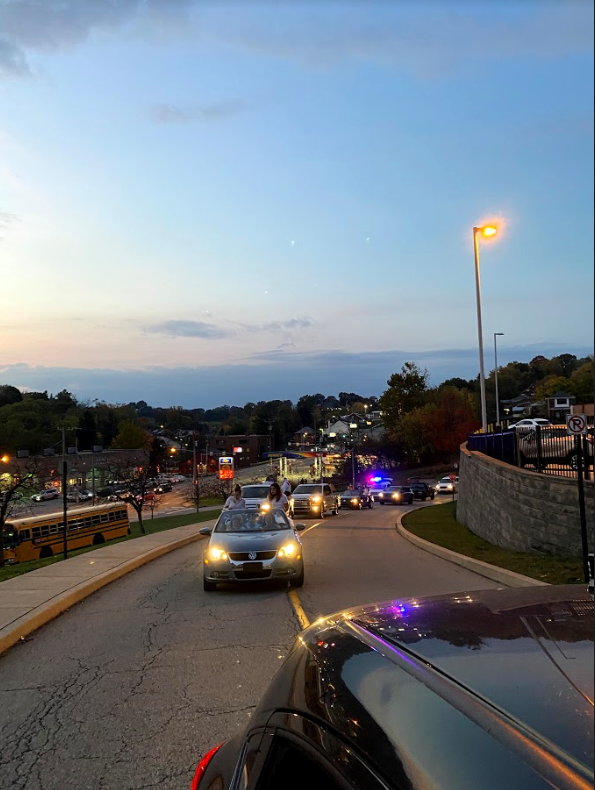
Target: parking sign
(576, 424)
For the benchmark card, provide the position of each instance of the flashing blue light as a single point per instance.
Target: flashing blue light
(375, 479)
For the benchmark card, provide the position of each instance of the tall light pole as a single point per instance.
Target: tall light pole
(496, 336)
(487, 232)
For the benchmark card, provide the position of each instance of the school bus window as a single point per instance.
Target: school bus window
(95, 520)
(24, 534)
(104, 517)
(53, 529)
(61, 527)
(88, 522)
(112, 516)
(45, 531)
(36, 532)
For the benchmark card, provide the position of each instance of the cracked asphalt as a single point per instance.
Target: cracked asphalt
(126, 690)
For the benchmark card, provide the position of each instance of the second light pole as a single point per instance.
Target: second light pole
(497, 393)
(487, 232)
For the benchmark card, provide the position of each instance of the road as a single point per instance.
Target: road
(126, 690)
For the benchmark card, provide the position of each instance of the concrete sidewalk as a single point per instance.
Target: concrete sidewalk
(33, 599)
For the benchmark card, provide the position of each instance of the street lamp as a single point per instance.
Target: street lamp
(487, 231)
(496, 336)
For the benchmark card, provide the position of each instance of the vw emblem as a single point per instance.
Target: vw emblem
(253, 555)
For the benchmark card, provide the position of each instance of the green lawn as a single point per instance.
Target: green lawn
(439, 525)
(151, 526)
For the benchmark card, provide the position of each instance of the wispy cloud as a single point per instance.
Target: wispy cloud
(41, 25)
(289, 325)
(219, 111)
(429, 42)
(202, 329)
(188, 329)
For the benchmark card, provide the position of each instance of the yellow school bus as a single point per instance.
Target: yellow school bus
(38, 537)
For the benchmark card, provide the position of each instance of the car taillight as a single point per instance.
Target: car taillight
(203, 765)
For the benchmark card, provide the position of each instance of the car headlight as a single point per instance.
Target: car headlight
(355, 501)
(316, 499)
(217, 554)
(288, 550)
(380, 496)
(396, 496)
(266, 506)
(450, 486)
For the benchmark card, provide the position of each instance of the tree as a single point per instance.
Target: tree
(9, 394)
(406, 391)
(460, 384)
(87, 431)
(23, 474)
(131, 437)
(450, 421)
(582, 383)
(552, 384)
(134, 478)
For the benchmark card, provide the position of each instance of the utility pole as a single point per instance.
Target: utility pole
(195, 472)
(65, 493)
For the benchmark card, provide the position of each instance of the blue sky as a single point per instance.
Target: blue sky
(205, 203)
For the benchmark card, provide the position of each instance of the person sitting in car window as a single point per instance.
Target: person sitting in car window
(277, 498)
(236, 501)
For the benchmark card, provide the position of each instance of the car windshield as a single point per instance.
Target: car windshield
(250, 521)
(255, 492)
(308, 490)
(396, 488)
(350, 492)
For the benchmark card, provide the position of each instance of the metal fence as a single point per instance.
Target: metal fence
(546, 449)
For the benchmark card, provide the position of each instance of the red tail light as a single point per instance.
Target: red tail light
(203, 765)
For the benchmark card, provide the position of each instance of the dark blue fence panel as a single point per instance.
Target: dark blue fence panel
(497, 445)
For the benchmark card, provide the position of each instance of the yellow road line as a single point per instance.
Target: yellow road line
(302, 617)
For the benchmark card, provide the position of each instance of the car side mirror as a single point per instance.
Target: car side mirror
(300, 527)
(206, 531)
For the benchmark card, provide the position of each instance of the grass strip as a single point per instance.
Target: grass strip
(439, 525)
(151, 526)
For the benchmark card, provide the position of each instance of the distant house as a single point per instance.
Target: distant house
(559, 406)
(524, 405)
(305, 437)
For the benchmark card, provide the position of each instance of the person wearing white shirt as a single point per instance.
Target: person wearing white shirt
(277, 498)
(286, 487)
(236, 501)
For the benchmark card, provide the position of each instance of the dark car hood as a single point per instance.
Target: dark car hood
(528, 651)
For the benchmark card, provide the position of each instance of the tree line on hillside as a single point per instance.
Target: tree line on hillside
(423, 422)
(32, 421)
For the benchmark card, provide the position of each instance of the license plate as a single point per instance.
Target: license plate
(251, 567)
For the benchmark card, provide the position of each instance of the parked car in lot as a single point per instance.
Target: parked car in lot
(315, 500)
(529, 424)
(552, 445)
(396, 495)
(352, 499)
(80, 496)
(448, 486)
(423, 491)
(248, 546)
(499, 699)
(46, 495)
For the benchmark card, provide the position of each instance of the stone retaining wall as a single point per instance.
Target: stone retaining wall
(521, 510)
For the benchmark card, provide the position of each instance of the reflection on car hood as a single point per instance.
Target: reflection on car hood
(251, 541)
(528, 651)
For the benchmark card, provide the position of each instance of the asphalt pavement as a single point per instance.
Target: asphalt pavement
(127, 689)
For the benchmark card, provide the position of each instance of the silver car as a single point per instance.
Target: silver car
(248, 546)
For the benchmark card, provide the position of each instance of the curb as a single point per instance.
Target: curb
(492, 572)
(48, 611)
